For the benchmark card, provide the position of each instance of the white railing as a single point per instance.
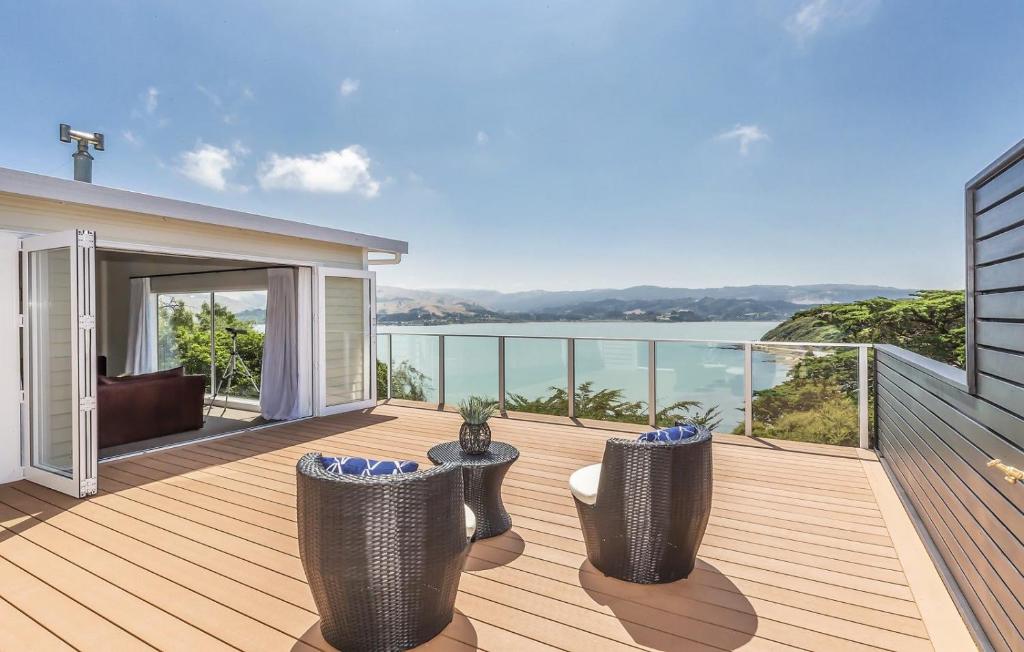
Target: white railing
(749, 347)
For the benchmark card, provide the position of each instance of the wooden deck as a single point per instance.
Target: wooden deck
(194, 548)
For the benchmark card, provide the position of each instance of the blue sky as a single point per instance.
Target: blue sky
(546, 145)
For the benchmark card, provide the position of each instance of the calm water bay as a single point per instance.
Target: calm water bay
(705, 370)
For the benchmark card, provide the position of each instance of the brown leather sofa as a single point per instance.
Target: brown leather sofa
(134, 408)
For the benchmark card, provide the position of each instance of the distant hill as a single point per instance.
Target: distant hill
(534, 300)
(640, 303)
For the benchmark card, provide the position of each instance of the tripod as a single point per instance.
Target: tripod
(235, 371)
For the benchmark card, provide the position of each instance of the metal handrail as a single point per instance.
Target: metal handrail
(748, 347)
(633, 339)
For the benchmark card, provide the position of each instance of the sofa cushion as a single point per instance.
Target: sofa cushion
(675, 433)
(583, 483)
(366, 466)
(470, 522)
(166, 373)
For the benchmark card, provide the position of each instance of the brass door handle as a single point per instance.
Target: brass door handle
(1010, 473)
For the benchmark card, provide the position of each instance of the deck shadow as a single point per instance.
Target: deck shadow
(248, 444)
(495, 551)
(459, 635)
(706, 608)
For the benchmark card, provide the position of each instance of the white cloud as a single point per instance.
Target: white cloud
(745, 135)
(813, 15)
(131, 137)
(482, 138)
(339, 171)
(151, 99)
(208, 164)
(348, 86)
(210, 95)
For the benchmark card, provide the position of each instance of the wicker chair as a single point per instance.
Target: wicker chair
(383, 554)
(645, 508)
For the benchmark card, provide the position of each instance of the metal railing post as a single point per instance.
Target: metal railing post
(748, 388)
(440, 371)
(862, 396)
(501, 374)
(571, 380)
(391, 361)
(652, 383)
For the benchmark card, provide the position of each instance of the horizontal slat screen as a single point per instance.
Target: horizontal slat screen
(995, 283)
(937, 439)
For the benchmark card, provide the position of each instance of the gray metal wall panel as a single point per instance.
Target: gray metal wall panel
(1001, 276)
(1001, 335)
(998, 218)
(1001, 306)
(994, 220)
(1008, 366)
(1000, 186)
(999, 247)
(1001, 392)
(936, 440)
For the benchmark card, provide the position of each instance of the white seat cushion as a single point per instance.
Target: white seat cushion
(583, 483)
(470, 522)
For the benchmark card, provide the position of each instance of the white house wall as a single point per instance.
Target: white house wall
(34, 215)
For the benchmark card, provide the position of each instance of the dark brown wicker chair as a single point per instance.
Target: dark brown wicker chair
(383, 554)
(651, 509)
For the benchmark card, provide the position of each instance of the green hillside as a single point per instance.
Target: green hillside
(930, 323)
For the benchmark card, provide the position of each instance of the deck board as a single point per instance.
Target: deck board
(195, 548)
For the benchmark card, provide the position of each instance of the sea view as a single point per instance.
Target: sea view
(708, 367)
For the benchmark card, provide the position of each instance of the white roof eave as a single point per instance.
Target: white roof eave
(27, 184)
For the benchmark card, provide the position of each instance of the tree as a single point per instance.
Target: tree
(183, 338)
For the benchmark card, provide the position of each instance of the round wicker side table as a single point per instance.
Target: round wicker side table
(482, 476)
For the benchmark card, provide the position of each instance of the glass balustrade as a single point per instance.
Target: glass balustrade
(700, 382)
(612, 380)
(798, 392)
(383, 360)
(536, 375)
(415, 365)
(470, 368)
(806, 393)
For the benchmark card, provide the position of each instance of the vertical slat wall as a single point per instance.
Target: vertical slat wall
(936, 439)
(995, 281)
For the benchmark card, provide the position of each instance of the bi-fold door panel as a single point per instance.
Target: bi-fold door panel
(59, 361)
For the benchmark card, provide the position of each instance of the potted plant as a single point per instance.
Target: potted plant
(475, 434)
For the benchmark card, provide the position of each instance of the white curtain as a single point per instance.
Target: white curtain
(279, 382)
(141, 357)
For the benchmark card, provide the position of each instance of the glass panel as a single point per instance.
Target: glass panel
(383, 356)
(50, 333)
(240, 322)
(806, 394)
(470, 368)
(415, 359)
(183, 333)
(701, 383)
(611, 380)
(536, 375)
(345, 340)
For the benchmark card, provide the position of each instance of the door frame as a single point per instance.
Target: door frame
(82, 302)
(320, 407)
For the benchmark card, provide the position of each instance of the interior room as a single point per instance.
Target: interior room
(170, 370)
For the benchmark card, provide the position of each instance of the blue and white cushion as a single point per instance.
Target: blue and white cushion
(675, 433)
(365, 466)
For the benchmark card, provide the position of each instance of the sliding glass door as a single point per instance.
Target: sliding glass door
(59, 360)
(202, 341)
(347, 338)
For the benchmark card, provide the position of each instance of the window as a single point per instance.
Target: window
(186, 335)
